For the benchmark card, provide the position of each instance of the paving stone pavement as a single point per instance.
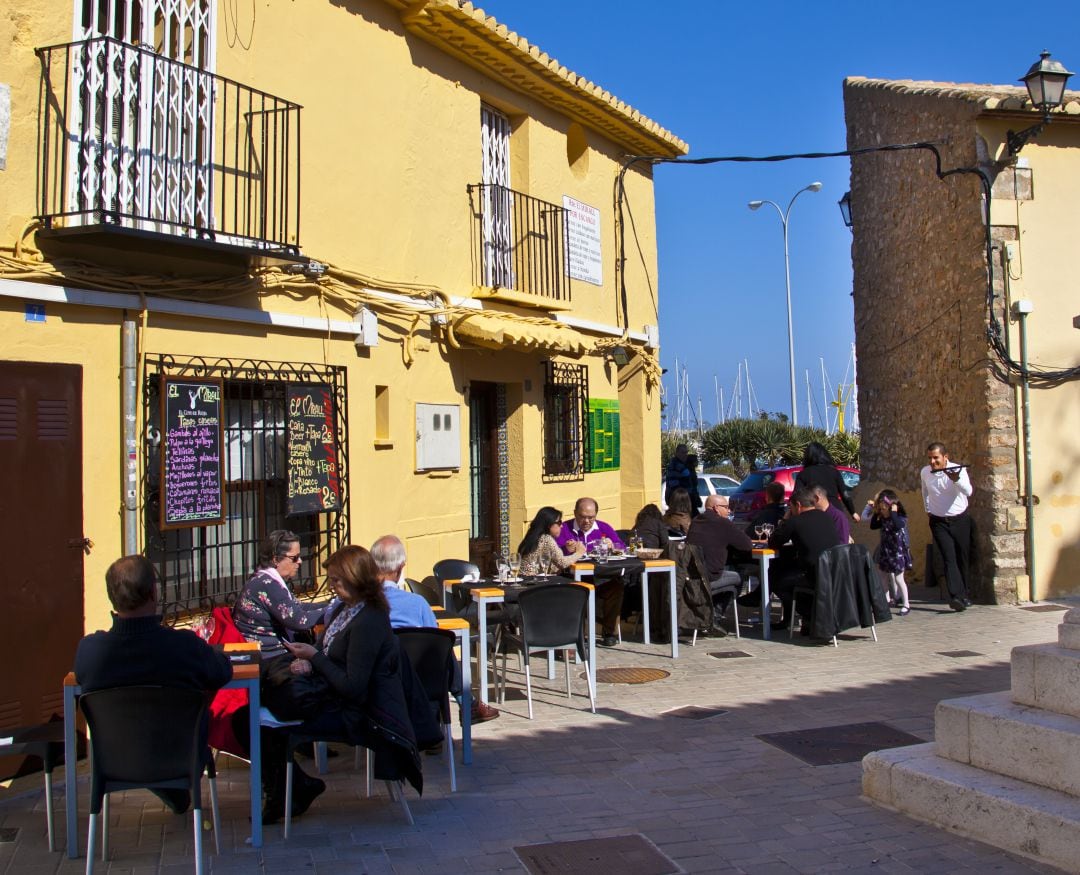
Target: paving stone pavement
(706, 792)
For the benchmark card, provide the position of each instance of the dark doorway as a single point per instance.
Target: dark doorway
(41, 511)
(483, 476)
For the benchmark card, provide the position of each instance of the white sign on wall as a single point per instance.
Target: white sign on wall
(583, 257)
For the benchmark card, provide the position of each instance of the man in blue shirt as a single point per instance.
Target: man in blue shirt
(406, 608)
(409, 609)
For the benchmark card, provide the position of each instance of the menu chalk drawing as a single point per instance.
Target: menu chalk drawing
(314, 485)
(191, 481)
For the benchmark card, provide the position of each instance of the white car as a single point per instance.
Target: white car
(708, 484)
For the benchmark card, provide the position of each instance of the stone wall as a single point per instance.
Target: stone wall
(920, 315)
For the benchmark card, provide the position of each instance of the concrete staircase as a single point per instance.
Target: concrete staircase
(1005, 767)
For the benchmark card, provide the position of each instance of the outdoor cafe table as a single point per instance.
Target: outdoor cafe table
(460, 628)
(490, 592)
(764, 556)
(652, 566)
(245, 676)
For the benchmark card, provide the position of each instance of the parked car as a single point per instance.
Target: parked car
(749, 498)
(708, 484)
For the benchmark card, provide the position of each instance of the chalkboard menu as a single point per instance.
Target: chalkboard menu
(191, 482)
(313, 469)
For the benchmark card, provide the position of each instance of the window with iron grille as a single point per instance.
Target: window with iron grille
(566, 398)
(207, 565)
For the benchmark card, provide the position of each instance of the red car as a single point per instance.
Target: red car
(749, 498)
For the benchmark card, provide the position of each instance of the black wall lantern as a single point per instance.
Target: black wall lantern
(1045, 83)
(845, 208)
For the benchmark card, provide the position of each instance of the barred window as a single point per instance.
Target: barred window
(566, 398)
(206, 565)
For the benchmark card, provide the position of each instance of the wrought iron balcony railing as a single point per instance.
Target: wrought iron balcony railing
(131, 139)
(522, 242)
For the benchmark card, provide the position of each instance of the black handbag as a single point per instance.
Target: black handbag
(291, 696)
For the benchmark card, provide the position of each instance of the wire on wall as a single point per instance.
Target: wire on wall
(1003, 365)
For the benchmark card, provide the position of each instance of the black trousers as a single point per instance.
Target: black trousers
(952, 534)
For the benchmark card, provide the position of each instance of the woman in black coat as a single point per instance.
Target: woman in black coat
(819, 469)
(370, 682)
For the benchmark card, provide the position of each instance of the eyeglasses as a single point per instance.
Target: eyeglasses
(295, 557)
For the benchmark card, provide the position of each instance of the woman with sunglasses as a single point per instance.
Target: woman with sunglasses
(539, 552)
(266, 611)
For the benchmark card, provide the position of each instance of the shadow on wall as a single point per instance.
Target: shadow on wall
(1064, 579)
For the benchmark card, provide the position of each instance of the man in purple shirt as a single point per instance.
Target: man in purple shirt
(586, 529)
(840, 519)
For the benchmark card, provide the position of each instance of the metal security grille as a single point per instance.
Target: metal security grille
(144, 125)
(207, 565)
(566, 417)
(496, 217)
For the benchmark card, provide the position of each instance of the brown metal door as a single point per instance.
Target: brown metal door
(42, 516)
(483, 476)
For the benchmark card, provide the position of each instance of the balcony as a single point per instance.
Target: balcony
(521, 255)
(143, 154)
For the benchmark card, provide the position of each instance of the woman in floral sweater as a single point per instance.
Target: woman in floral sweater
(267, 610)
(539, 552)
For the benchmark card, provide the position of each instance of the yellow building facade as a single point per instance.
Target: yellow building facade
(394, 216)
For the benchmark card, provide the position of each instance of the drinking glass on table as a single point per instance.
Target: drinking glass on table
(759, 529)
(204, 627)
(515, 564)
(767, 530)
(503, 566)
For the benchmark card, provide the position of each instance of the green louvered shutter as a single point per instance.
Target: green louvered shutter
(603, 435)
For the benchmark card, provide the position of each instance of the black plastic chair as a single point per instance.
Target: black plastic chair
(46, 742)
(428, 588)
(147, 737)
(456, 569)
(430, 652)
(552, 618)
(296, 739)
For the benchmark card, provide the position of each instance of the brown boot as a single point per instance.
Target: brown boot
(482, 712)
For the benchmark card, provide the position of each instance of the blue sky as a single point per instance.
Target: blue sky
(763, 79)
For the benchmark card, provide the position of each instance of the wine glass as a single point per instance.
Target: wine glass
(760, 530)
(515, 564)
(767, 530)
(204, 627)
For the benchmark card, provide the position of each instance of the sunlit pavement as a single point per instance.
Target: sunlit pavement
(706, 792)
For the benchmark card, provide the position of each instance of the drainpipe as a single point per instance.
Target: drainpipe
(1021, 309)
(130, 447)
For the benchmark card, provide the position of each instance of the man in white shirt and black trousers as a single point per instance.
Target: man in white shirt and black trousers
(946, 489)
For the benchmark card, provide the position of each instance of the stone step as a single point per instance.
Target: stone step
(1047, 676)
(993, 732)
(1013, 815)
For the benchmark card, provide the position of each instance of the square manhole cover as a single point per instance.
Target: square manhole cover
(9, 834)
(831, 745)
(694, 712)
(959, 654)
(627, 855)
(1041, 609)
(728, 654)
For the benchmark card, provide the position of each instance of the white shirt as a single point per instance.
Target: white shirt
(943, 497)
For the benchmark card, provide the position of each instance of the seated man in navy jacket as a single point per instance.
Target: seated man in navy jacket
(139, 650)
(811, 532)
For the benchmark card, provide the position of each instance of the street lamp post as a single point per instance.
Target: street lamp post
(784, 214)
